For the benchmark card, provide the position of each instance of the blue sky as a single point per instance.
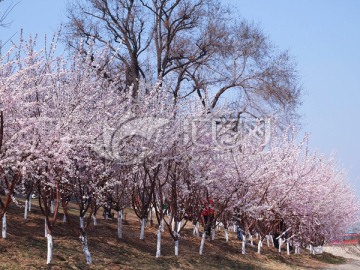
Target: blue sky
(33, 16)
(324, 38)
(322, 35)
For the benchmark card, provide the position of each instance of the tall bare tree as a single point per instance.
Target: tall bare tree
(195, 46)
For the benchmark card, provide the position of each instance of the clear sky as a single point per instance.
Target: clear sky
(324, 38)
(322, 35)
(33, 16)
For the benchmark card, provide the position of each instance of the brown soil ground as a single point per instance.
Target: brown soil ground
(25, 248)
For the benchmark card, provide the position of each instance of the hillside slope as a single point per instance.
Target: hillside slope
(25, 248)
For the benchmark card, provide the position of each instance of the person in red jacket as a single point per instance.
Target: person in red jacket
(207, 216)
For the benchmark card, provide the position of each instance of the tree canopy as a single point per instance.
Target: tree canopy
(196, 47)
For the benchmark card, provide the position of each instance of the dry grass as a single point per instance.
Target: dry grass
(25, 248)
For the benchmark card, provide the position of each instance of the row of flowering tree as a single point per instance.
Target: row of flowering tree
(70, 133)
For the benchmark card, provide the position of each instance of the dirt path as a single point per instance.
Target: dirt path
(351, 264)
(351, 253)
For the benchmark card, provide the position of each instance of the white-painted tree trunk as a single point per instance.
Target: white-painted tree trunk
(26, 209)
(64, 218)
(272, 240)
(158, 243)
(267, 240)
(142, 231)
(173, 225)
(243, 244)
(30, 202)
(234, 228)
(150, 215)
(94, 219)
(288, 247)
(120, 217)
(196, 229)
(251, 240)
(202, 243)
(46, 228)
(83, 240)
(226, 235)
(176, 234)
(179, 226)
(82, 222)
(162, 225)
(259, 246)
(49, 248)
(4, 226)
(213, 234)
(280, 243)
(176, 247)
(257, 236)
(52, 207)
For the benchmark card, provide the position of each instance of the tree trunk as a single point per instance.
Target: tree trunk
(311, 249)
(46, 228)
(259, 246)
(26, 209)
(173, 225)
(142, 232)
(49, 248)
(162, 225)
(158, 243)
(226, 235)
(177, 247)
(176, 237)
(52, 206)
(64, 218)
(280, 243)
(251, 240)
(94, 219)
(120, 216)
(267, 240)
(4, 226)
(179, 226)
(83, 240)
(288, 247)
(202, 243)
(213, 233)
(243, 244)
(150, 217)
(196, 229)
(30, 201)
(82, 222)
